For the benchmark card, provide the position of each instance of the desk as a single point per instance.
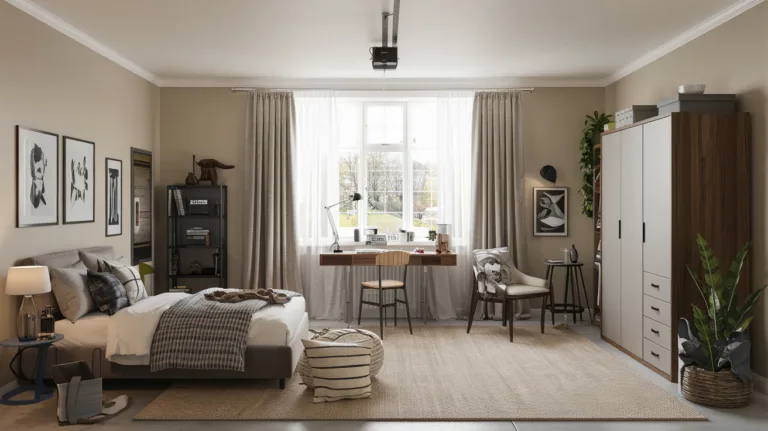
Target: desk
(351, 258)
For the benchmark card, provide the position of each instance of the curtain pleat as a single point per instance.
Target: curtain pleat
(498, 181)
(270, 254)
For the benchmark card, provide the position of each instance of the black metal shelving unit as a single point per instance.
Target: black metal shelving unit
(183, 252)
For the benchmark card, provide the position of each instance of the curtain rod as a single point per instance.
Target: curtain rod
(254, 89)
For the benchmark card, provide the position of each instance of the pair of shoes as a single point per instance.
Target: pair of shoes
(272, 297)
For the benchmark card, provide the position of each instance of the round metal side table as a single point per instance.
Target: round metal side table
(573, 278)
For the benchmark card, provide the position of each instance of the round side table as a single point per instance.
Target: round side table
(573, 275)
(41, 391)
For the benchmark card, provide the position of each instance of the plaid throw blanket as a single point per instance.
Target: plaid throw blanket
(198, 334)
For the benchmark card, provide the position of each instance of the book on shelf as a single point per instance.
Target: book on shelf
(179, 202)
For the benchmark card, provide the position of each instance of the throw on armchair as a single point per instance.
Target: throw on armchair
(498, 281)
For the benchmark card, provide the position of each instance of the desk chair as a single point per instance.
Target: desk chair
(390, 258)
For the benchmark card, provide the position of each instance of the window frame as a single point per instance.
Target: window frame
(364, 147)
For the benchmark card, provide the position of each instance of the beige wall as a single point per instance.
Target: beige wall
(50, 82)
(210, 122)
(732, 58)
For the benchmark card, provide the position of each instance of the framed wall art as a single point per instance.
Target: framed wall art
(37, 178)
(78, 191)
(550, 211)
(114, 196)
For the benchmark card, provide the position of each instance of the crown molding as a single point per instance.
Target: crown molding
(700, 29)
(81, 37)
(394, 84)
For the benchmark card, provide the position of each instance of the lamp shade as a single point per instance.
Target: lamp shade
(28, 280)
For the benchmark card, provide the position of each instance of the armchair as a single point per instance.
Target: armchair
(498, 281)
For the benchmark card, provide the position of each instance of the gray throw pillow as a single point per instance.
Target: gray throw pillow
(107, 291)
(70, 287)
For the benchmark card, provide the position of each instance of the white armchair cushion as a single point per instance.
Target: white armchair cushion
(522, 289)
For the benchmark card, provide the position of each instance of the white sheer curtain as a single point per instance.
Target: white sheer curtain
(450, 292)
(316, 185)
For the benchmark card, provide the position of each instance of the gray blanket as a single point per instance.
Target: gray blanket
(198, 334)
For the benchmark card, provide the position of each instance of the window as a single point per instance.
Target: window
(388, 153)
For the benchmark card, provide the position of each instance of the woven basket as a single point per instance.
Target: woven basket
(344, 336)
(715, 389)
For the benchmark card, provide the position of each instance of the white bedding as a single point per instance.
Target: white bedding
(126, 337)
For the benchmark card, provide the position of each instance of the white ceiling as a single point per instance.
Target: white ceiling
(226, 41)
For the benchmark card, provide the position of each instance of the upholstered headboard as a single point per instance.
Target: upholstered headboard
(62, 259)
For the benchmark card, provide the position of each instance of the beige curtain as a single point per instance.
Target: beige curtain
(270, 252)
(498, 182)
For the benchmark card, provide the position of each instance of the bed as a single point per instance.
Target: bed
(117, 347)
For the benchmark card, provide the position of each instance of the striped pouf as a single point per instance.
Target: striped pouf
(345, 336)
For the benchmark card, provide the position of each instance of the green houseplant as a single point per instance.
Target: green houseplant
(593, 126)
(716, 349)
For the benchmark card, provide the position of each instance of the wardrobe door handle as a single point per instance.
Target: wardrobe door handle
(654, 285)
(655, 331)
(619, 229)
(643, 232)
(655, 309)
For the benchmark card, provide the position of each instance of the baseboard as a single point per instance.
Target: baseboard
(9, 387)
(761, 383)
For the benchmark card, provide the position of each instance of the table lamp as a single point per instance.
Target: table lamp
(27, 281)
(352, 198)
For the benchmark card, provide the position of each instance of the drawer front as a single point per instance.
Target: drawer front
(657, 310)
(658, 287)
(658, 333)
(657, 356)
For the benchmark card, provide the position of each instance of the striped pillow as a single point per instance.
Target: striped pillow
(339, 370)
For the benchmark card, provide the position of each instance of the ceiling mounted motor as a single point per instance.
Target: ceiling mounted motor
(385, 57)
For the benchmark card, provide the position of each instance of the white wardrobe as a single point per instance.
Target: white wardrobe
(640, 303)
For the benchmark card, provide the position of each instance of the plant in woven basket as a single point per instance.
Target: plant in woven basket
(593, 126)
(719, 339)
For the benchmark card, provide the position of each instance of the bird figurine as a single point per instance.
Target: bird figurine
(208, 170)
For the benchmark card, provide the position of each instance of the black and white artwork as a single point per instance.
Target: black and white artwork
(550, 211)
(114, 197)
(79, 202)
(37, 177)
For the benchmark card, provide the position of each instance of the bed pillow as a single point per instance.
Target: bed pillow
(91, 260)
(108, 292)
(70, 287)
(339, 370)
(131, 279)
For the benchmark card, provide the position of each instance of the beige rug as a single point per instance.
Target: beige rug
(441, 373)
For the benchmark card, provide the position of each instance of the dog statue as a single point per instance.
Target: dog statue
(208, 170)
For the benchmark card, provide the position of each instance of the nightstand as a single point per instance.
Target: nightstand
(41, 391)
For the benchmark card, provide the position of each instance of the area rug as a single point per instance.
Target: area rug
(445, 374)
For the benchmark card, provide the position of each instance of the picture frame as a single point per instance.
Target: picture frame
(113, 193)
(37, 178)
(550, 211)
(78, 190)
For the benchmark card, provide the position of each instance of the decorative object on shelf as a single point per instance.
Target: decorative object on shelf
(550, 211)
(175, 264)
(27, 281)
(208, 170)
(443, 243)
(549, 173)
(432, 235)
(191, 178)
(715, 351)
(37, 178)
(195, 267)
(198, 207)
(573, 253)
(79, 201)
(566, 254)
(114, 197)
(709, 103)
(216, 263)
(376, 239)
(356, 236)
(593, 126)
(610, 126)
(634, 114)
(47, 324)
(352, 198)
(692, 88)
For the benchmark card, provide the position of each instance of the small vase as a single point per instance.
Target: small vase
(574, 254)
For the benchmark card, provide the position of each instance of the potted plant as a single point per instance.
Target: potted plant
(716, 349)
(593, 126)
